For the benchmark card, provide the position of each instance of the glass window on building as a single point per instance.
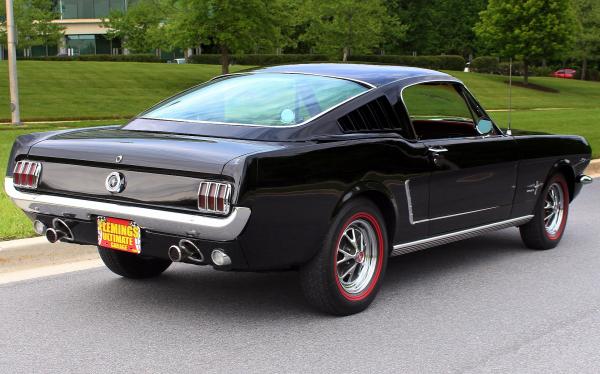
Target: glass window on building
(68, 8)
(118, 5)
(82, 44)
(73, 9)
(101, 8)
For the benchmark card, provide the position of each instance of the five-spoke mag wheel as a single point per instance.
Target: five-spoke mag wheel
(357, 255)
(344, 277)
(554, 210)
(546, 228)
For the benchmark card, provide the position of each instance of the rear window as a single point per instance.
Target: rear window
(265, 99)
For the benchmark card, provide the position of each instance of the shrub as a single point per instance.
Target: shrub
(259, 60)
(485, 64)
(449, 62)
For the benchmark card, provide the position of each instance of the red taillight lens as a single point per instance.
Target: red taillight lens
(26, 174)
(214, 197)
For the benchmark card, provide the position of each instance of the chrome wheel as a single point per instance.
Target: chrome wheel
(554, 209)
(357, 256)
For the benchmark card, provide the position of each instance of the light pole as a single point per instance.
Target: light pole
(15, 112)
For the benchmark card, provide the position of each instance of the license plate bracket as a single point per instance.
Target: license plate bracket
(119, 234)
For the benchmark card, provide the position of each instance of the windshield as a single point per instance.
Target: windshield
(267, 99)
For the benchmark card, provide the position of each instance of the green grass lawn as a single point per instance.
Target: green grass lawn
(60, 90)
(52, 90)
(492, 92)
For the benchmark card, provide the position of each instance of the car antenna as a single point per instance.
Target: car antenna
(509, 131)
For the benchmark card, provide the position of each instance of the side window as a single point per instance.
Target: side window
(438, 111)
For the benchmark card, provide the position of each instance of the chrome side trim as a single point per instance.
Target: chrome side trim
(418, 245)
(463, 213)
(182, 224)
(411, 218)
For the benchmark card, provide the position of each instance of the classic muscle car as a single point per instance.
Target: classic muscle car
(328, 169)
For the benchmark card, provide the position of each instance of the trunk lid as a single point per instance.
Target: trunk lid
(161, 170)
(147, 150)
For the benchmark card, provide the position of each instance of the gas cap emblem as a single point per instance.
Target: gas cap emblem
(115, 182)
(119, 159)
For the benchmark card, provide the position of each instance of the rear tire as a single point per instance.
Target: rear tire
(130, 265)
(345, 276)
(546, 228)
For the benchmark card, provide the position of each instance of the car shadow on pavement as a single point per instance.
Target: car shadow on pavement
(255, 297)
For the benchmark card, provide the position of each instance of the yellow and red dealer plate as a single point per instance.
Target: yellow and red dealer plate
(119, 234)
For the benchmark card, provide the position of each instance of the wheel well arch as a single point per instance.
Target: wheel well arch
(381, 197)
(564, 167)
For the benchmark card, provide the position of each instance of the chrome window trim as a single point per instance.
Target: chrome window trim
(366, 84)
(175, 223)
(451, 80)
(369, 89)
(400, 249)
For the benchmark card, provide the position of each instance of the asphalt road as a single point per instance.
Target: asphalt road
(482, 305)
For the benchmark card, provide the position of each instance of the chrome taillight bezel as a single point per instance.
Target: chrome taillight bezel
(26, 174)
(214, 197)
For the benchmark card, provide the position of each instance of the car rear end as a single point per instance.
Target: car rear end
(163, 196)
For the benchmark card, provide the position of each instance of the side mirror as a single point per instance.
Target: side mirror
(484, 126)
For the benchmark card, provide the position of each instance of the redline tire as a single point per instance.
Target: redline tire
(547, 227)
(345, 276)
(133, 266)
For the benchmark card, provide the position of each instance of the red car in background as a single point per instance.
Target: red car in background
(565, 73)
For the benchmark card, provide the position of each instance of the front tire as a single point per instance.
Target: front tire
(130, 265)
(547, 227)
(345, 276)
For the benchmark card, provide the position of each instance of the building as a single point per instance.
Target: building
(84, 34)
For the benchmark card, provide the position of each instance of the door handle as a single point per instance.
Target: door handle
(437, 149)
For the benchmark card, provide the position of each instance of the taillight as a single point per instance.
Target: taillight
(214, 197)
(27, 174)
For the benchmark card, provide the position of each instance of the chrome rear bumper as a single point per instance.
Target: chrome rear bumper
(181, 224)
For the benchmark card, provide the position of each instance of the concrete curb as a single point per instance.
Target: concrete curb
(36, 252)
(593, 170)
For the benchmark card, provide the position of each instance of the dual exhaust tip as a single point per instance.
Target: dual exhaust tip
(187, 251)
(59, 230)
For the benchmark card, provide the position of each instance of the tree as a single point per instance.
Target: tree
(48, 33)
(528, 30)
(349, 26)
(233, 26)
(141, 27)
(437, 26)
(33, 22)
(587, 35)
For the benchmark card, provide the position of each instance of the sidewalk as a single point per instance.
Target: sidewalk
(16, 255)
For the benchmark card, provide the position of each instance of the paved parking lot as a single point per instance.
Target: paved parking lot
(482, 305)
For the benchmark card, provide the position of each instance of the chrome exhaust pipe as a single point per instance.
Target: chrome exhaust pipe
(186, 251)
(60, 226)
(175, 254)
(194, 253)
(53, 235)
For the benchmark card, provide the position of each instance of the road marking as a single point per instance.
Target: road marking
(45, 271)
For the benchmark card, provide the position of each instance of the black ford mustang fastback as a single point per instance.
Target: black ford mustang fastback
(325, 168)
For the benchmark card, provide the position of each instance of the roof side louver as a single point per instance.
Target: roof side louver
(376, 115)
